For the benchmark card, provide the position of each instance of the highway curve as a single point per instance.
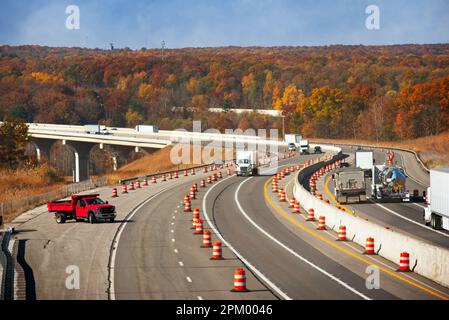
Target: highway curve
(406, 217)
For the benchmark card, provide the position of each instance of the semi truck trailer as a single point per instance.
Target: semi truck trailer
(388, 182)
(364, 159)
(147, 128)
(95, 129)
(436, 213)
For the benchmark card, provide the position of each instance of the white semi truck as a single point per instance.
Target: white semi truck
(246, 163)
(95, 129)
(304, 147)
(436, 213)
(293, 138)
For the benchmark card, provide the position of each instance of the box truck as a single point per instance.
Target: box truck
(436, 213)
(147, 128)
(246, 163)
(293, 138)
(304, 147)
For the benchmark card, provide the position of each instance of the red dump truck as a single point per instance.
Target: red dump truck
(88, 207)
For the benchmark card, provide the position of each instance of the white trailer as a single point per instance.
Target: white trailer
(147, 128)
(437, 211)
(95, 129)
(364, 159)
(246, 163)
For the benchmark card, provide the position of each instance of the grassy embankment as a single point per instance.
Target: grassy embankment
(433, 150)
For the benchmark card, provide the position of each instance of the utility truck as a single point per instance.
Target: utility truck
(87, 207)
(246, 163)
(147, 128)
(388, 182)
(364, 159)
(436, 213)
(349, 184)
(95, 129)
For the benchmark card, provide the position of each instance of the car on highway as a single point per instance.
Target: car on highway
(318, 150)
(87, 207)
(291, 147)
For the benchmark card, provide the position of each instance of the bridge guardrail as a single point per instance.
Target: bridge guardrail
(429, 260)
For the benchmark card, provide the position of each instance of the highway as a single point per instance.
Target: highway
(152, 253)
(406, 217)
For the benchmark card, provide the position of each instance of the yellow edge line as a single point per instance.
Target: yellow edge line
(281, 212)
(326, 188)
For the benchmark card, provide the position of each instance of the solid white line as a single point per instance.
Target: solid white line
(246, 262)
(409, 220)
(290, 250)
(117, 239)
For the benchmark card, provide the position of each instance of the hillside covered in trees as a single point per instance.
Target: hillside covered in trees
(374, 92)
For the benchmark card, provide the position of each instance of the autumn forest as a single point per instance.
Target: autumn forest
(369, 92)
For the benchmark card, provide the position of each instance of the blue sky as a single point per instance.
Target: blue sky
(210, 23)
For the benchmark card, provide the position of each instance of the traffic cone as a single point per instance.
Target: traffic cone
(206, 240)
(114, 192)
(322, 223)
(124, 188)
(199, 227)
(239, 281)
(292, 202)
(282, 197)
(310, 215)
(342, 233)
(404, 262)
(297, 207)
(369, 246)
(216, 251)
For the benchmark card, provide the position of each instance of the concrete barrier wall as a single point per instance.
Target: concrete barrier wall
(431, 261)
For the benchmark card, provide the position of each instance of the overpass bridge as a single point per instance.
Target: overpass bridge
(44, 136)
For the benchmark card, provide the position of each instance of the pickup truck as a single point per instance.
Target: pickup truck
(87, 207)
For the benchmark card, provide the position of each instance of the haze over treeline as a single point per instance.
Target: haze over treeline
(375, 92)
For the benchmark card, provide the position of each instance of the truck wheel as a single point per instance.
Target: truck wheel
(60, 218)
(91, 218)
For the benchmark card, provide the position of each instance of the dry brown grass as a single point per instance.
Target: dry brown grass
(433, 150)
(16, 184)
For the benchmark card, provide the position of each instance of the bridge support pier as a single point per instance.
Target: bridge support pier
(81, 152)
(43, 147)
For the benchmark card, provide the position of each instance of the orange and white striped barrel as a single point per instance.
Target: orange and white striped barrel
(185, 173)
(228, 171)
(206, 240)
(203, 183)
(311, 215)
(216, 251)
(195, 186)
(220, 175)
(275, 188)
(204, 169)
(192, 194)
(138, 184)
(282, 175)
(145, 182)
(199, 227)
(292, 202)
(280, 189)
(239, 280)
(192, 172)
(131, 186)
(186, 199)
(214, 177)
(114, 192)
(369, 246)
(404, 262)
(163, 177)
(124, 188)
(169, 176)
(297, 207)
(196, 214)
(209, 179)
(194, 223)
(322, 223)
(176, 175)
(153, 179)
(342, 233)
(282, 198)
(187, 207)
